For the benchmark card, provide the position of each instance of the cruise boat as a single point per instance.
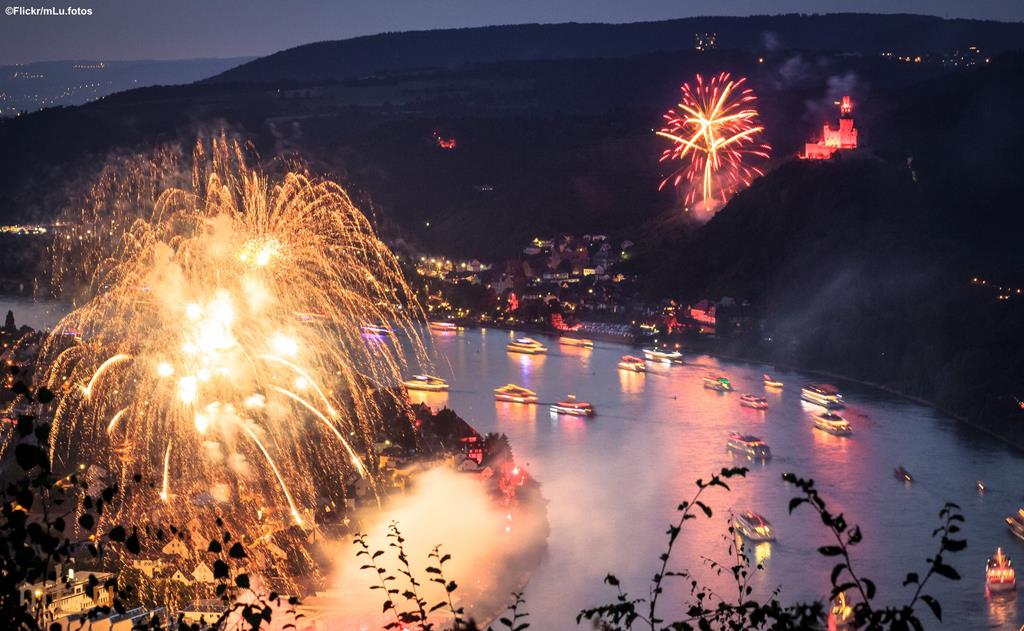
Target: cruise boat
(754, 527)
(376, 329)
(717, 382)
(832, 424)
(749, 446)
(526, 345)
(573, 407)
(663, 356)
(443, 327)
(632, 363)
(999, 573)
(576, 341)
(515, 394)
(426, 382)
(1016, 523)
(770, 382)
(754, 401)
(901, 474)
(824, 394)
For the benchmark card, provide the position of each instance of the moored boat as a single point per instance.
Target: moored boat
(999, 573)
(526, 345)
(718, 383)
(770, 382)
(749, 446)
(663, 356)
(573, 407)
(754, 401)
(515, 394)
(832, 424)
(428, 383)
(632, 363)
(754, 527)
(825, 395)
(576, 341)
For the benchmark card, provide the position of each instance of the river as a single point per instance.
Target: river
(614, 481)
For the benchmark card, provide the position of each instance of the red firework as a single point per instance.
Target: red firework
(715, 130)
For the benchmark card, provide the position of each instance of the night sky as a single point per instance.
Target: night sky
(165, 29)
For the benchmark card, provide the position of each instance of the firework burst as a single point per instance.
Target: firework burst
(220, 349)
(715, 130)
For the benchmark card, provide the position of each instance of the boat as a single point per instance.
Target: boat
(840, 615)
(632, 363)
(902, 474)
(663, 356)
(515, 394)
(999, 573)
(823, 394)
(832, 424)
(376, 329)
(1016, 523)
(749, 446)
(443, 327)
(576, 341)
(426, 382)
(754, 527)
(573, 407)
(718, 383)
(769, 382)
(526, 345)
(754, 401)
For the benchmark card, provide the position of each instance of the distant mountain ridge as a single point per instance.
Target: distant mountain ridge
(451, 48)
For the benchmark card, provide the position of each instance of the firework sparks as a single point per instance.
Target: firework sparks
(715, 130)
(190, 364)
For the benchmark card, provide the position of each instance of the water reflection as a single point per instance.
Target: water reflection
(434, 400)
(631, 382)
(523, 414)
(1002, 609)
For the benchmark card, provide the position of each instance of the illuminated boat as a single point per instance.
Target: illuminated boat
(748, 446)
(832, 424)
(426, 382)
(573, 407)
(769, 382)
(754, 401)
(840, 615)
(825, 395)
(1016, 523)
(376, 329)
(515, 394)
(576, 341)
(717, 383)
(443, 327)
(526, 345)
(632, 363)
(754, 527)
(902, 474)
(663, 356)
(999, 573)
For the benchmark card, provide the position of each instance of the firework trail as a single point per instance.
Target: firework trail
(714, 129)
(218, 348)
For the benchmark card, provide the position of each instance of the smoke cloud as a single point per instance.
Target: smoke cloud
(493, 549)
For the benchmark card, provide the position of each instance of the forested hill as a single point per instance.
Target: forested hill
(452, 48)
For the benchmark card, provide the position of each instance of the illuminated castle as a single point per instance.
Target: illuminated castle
(833, 140)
